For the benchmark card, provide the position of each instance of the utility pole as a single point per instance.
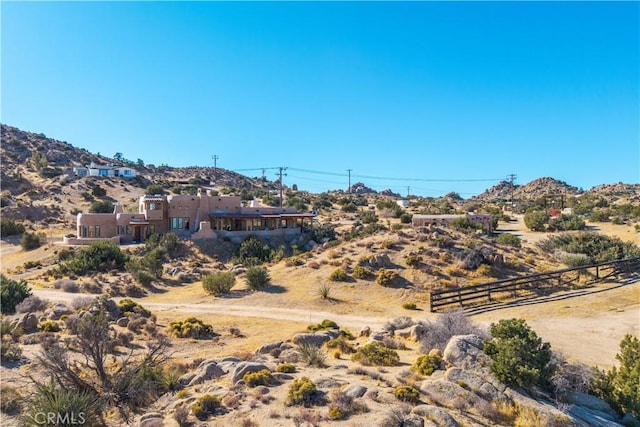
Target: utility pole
(511, 178)
(263, 175)
(408, 191)
(349, 188)
(215, 168)
(280, 169)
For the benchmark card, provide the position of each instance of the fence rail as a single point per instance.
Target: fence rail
(532, 284)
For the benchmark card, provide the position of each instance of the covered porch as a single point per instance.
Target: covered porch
(256, 222)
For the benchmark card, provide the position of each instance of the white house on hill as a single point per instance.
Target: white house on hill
(105, 170)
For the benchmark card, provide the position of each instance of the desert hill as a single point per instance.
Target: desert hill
(530, 191)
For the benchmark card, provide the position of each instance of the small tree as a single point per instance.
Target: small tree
(219, 283)
(536, 220)
(257, 278)
(101, 206)
(509, 240)
(620, 386)
(519, 356)
(12, 293)
(10, 228)
(154, 189)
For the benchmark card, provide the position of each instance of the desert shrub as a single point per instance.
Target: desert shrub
(30, 304)
(325, 325)
(128, 307)
(427, 364)
(620, 386)
(536, 220)
(205, 406)
(147, 267)
(254, 379)
(287, 368)
(341, 344)
(339, 275)
(168, 243)
(153, 189)
(336, 413)
(386, 278)
(360, 272)
(413, 260)
(438, 332)
(566, 223)
(464, 224)
(49, 326)
(597, 247)
(509, 240)
(30, 241)
(11, 400)
(32, 264)
(257, 278)
(406, 218)
(601, 215)
(320, 232)
(219, 283)
(190, 328)
(407, 394)
(376, 353)
(324, 291)
(181, 415)
(70, 406)
(9, 351)
(312, 355)
(100, 256)
(519, 355)
(409, 306)
(302, 391)
(574, 260)
(396, 323)
(70, 286)
(253, 251)
(9, 227)
(12, 293)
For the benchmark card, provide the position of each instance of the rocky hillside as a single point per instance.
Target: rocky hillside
(616, 192)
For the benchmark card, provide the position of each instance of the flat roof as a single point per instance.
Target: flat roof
(259, 215)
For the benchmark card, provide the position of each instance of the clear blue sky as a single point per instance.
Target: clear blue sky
(420, 90)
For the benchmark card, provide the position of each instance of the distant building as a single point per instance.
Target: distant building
(404, 203)
(196, 217)
(105, 170)
(443, 220)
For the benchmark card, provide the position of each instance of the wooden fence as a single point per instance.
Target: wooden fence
(531, 285)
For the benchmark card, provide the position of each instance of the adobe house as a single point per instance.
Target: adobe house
(444, 220)
(202, 216)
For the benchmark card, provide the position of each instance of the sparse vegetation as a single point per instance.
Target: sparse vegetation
(427, 364)
(205, 406)
(407, 394)
(287, 368)
(339, 275)
(100, 256)
(509, 240)
(9, 227)
(301, 392)
(190, 328)
(31, 241)
(438, 332)
(257, 278)
(386, 278)
(312, 355)
(254, 379)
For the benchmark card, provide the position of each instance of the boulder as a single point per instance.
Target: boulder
(58, 310)
(413, 420)
(355, 390)
(587, 401)
(365, 332)
(404, 333)
(151, 419)
(465, 351)
(245, 367)
(206, 371)
(473, 382)
(268, 348)
(417, 332)
(227, 364)
(444, 392)
(29, 322)
(122, 322)
(438, 415)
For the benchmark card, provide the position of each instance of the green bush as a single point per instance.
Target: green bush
(464, 224)
(312, 355)
(154, 189)
(253, 251)
(386, 278)
(9, 227)
(287, 368)
(509, 240)
(49, 326)
(620, 386)
(426, 365)
(129, 307)
(205, 406)
(12, 293)
(302, 391)
(597, 247)
(30, 241)
(257, 278)
(341, 344)
(336, 413)
(325, 325)
(101, 206)
(190, 328)
(536, 220)
(409, 306)
(406, 218)
(360, 272)
(413, 260)
(219, 283)
(100, 256)
(339, 275)
(74, 406)
(566, 223)
(254, 379)
(377, 354)
(406, 393)
(519, 356)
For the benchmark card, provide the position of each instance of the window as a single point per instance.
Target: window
(103, 172)
(97, 231)
(116, 172)
(127, 172)
(129, 230)
(84, 231)
(152, 206)
(177, 223)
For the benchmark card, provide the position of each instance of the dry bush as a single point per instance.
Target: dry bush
(31, 304)
(181, 415)
(438, 332)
